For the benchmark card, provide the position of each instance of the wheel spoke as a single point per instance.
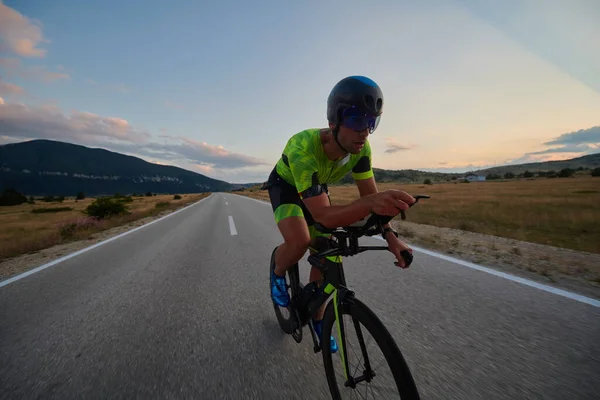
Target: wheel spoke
(369, 362)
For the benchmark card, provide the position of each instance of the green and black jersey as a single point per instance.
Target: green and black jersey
(305, 165)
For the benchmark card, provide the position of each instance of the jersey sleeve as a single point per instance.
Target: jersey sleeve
(362, 169)
(304, 170)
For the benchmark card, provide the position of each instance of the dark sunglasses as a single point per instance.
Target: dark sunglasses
(359, 122)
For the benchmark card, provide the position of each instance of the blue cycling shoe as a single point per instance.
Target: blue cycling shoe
(279, 292)
(319, 330)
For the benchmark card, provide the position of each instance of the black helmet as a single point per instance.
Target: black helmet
(358, 91)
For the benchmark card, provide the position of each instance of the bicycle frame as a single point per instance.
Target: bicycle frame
(334, 281)
(334, 284)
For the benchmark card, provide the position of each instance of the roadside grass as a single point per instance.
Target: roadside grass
(28, 228)
(561, 212)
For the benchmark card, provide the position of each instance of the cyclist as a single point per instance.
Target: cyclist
(315, 157)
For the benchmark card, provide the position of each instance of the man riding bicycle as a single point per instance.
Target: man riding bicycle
(316, 157)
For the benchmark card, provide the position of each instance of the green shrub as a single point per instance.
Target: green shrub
(596, 172)
(427, 182)
(105, 207)
(177, 197)
(566, 172)
(80, 196)
(162, 204)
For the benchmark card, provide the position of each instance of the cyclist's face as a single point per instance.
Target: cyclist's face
(351, 140)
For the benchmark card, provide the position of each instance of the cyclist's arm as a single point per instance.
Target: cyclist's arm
(364, 177)
(367, 187)
(336, 216)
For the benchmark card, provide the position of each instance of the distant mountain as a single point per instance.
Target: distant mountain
(416, 176)
(590, 161)
(47, 167)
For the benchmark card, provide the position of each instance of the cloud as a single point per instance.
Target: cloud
(13, 67)
(200, 155)
(49, 122)
(572, 144)
(1, 101)
(572, 148)
(393, 146)
(7, 88)
(591, 135)
(19, 34)
(578, 143)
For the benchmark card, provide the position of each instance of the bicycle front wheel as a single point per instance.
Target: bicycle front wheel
(376, 367)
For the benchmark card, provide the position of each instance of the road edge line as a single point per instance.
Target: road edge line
(491, 271)
(78, 252)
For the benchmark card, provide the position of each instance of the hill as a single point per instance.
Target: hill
(416, 176)
(53, 168)
(590, 161)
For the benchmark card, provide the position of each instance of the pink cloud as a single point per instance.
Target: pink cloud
(7, 88)
(49, 122)
(393, 146)
(19, 34)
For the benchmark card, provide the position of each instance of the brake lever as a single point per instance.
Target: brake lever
(417, 198)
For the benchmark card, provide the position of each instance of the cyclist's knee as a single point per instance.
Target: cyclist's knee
(298, 244)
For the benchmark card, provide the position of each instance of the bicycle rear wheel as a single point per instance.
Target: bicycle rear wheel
(289, 323)
(382, 372)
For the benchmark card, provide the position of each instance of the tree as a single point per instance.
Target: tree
(427, 181)
(596, 171)
(566, 172)
(509, 175)
(80, 196)
(528, 174)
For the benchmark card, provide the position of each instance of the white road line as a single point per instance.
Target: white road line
(59, 260)
(232, 226)
(550, 289)
(541, 286)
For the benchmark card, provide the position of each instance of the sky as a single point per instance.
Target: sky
(219, 87)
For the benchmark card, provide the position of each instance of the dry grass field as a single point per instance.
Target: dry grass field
(26, 228)
(562, 212)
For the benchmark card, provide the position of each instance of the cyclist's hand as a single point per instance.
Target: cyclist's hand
(391, 202)
(397, 246)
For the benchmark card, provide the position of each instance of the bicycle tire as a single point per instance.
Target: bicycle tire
(405, 384)
(288, 325)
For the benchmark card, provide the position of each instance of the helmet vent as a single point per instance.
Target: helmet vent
(369, 102)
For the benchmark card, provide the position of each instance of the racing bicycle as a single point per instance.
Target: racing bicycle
(307, 299)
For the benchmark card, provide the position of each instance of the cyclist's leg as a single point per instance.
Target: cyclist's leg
(289, 216)
(316, 275)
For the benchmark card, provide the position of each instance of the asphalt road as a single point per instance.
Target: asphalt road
(181, 309)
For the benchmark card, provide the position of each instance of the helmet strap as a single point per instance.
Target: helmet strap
(335, 136)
